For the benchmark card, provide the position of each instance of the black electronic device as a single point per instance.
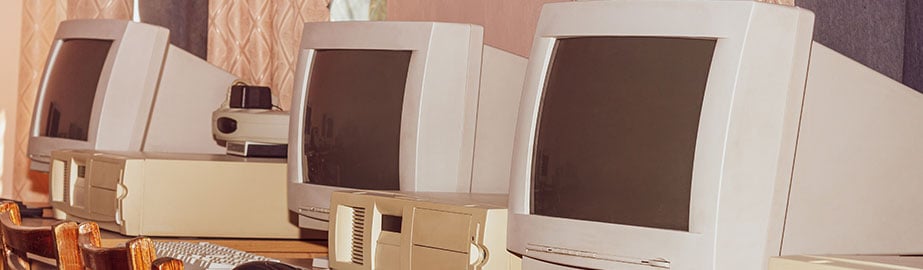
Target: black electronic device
(250, 97)
(265, 265)
(255, 149)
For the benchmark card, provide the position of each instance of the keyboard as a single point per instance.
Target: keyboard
(204, 255)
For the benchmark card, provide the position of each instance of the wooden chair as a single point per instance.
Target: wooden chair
(57, 243)
(136, 254)
(167, 264)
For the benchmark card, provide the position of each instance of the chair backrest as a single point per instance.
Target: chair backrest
(167, 263)
(57, 242)
(137, 254)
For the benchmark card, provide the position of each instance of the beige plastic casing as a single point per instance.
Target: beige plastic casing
(437, 231)
(189, 91)
(147, 91)
(458, 114)
(857, 168)
(840, 262)
(189, 195)
(261, 126)
(790, 158)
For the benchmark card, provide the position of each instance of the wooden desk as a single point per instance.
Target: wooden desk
(296, 252)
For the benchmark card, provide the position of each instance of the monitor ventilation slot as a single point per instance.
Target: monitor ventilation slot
(358, 252)
(67, 182)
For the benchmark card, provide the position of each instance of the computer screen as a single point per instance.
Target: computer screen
(71, 86)
(352, 132)
(99, 88)
(395, 106)
(615, 140)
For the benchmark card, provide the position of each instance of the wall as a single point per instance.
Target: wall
(10, 26)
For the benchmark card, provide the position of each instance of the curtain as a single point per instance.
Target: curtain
(186, 19)
(257, 40)
(886, 36)
(40, 20)
(913, 45)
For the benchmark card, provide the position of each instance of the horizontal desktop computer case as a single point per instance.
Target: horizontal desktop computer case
(418, 230)
(185, 195)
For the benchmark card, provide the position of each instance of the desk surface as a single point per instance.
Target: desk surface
(296, 252)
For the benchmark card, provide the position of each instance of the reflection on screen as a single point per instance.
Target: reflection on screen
(617, 129)
(353, 118)
(71, 86)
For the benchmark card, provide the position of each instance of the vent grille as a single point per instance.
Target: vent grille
(358, 253)
(67, 182)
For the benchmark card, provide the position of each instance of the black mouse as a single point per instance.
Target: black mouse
(262, 265)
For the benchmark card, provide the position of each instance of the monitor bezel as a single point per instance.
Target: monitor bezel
(124, 93)
(450, 116)
(603, 245)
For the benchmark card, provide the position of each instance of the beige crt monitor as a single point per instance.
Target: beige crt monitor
(119, 85)
(411, 106)
(706, 135)
(374, 230)
(159, 194)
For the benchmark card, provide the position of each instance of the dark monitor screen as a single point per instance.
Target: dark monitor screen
(70, 88)
(617, 130)
(353, 118)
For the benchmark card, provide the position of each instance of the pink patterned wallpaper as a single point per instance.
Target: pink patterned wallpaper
(98, 9)
(257, 40)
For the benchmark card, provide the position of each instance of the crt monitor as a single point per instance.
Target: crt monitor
(394, 106)
(696, 135)
(119, 85)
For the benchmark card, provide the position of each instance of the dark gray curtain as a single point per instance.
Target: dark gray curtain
(913, 45)
(882, 34)
(186, 19)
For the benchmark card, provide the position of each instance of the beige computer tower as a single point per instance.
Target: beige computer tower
(842, 262)
(418, 231)
(192, 195)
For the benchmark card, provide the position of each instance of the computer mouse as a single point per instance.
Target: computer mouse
(263, 265)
